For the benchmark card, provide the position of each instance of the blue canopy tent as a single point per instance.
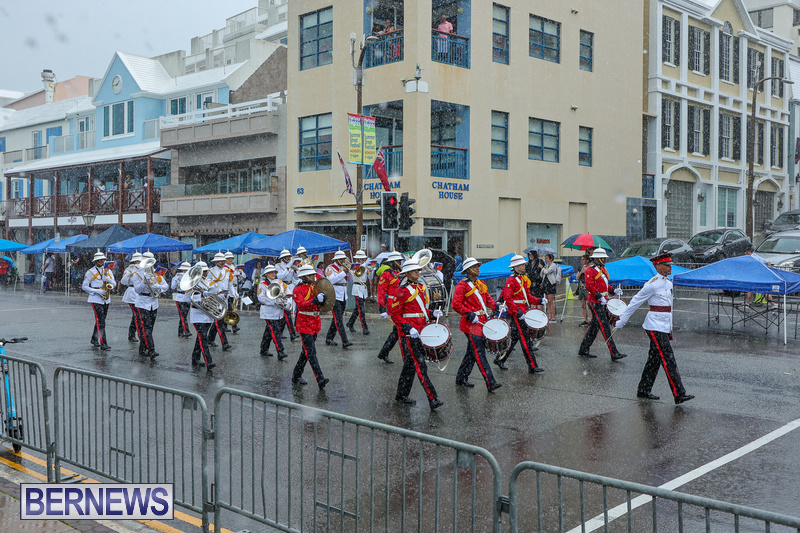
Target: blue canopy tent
(148, 242)
(112, 235)
(635, 271)
(498, 268)
(60, 247)
(37, 248)
(743, 273)
(11, 246)
(235, 245)
(314, 243)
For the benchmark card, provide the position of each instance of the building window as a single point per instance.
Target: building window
(587, 50)
(758, 147)
(777, 70)
(545, 39)
(585, 146)
(315, 142)
(316, 38)
(177, 106)
(500, 33)
(776, 146)
(755, 67)
(2, 144)
(543, 140)
(699, 50)
(670, 41)
(203, 99)
(670, 124)
(726, 207)
(699, 130)
(730, 136)
(500, 140)
(118, 119)
(796, 21)
(763, 18)
(725, 66)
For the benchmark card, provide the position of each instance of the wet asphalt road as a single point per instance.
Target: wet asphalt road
(581, 413)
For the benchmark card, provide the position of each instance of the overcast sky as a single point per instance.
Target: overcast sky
(79, 38)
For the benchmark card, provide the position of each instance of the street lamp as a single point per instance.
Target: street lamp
(88, 221)
(751, 149)
(358, 81)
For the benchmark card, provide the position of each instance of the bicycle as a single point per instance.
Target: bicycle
(13, 423)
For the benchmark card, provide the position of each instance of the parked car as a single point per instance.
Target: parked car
(782, 249)
(786, 221)
(713, 245)
(681, 252)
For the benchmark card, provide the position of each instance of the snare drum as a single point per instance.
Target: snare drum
(435, 339)
(536, 320)
(496, 332)
(615, 308)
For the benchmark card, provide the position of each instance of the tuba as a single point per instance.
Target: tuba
(231, 317)
(193, 282)
(275, 292)
(423, 257)
(149, 276)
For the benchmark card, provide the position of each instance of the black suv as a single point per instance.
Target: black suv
(713, 245)
(681, 252)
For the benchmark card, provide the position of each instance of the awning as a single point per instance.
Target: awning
(86, 157)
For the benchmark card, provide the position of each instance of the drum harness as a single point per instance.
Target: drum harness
(474, 289)
(524, 293)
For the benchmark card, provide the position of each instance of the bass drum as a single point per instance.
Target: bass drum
(438, 345)
(437, 294)
(496, 331)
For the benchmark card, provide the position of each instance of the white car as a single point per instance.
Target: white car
(782, 249)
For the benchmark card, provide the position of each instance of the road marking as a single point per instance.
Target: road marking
(33, 309)
(620, 510)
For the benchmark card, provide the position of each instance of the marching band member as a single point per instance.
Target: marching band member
(287, 275)
(597, 288)
(410, 314)
(93, 282)
(272, 314)
(202, 322)
(308, 325)
(303, 254)
(518, 298)
(472, 301)
(181, 301)
(233, 287)
(658, 325)
(359, 293)
(147, 305)
(387, 285)
(219, 281)
(130, 296)
(337, 275)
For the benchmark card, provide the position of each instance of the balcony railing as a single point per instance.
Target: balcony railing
(37, 152)
(42, 206)
(20, 207)
(270, 103)
(152, 129)
(106, 201)
(388, 49)
(648, 186)
(450, 48)
(73, 204)
(448, 161)
(14, 156)
(133, 201)
(393, 154)
(83, 140)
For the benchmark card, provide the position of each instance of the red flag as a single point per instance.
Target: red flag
(379, 166)
(347, 183)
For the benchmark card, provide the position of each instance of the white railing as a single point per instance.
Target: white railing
(152, 129)
(242, 20)
(270, 103)
(83, 140)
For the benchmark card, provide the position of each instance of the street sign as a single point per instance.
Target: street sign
(363, 242)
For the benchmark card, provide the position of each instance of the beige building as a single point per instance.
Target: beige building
(522, 128)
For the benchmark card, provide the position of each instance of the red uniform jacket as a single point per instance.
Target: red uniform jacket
(387, 285)
(308, 320)
(406, 310)
(467, 303)
(596, 283)
(517, 287)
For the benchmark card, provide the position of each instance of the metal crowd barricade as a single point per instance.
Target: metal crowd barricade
(569, 500)
(133, 432)
(298, 468)
(27, 385)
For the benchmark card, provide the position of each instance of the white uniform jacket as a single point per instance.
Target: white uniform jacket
(338, 276)
(218, 281)
(360, 290)
(269, 310)
(130, 295)
(656, 292)
(233, 290)
(177, 294)
(198, 316)
(144, 300)
(93, 284)
(285, 273)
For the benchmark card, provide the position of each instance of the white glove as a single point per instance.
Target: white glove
(502, 309)
(476, 320)
(603, 300)
(542, 300)
(99, 292)
(321, 297)
(414, 334)
(618, 291)
(620, 324)
(437, 313)
(385, 316)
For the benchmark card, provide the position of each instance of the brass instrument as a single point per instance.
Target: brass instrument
(302, 262)
(147, 265)
(275, 292)
(107, 290)
(423, 257)
(231, 317)
(192, 282)
(324, 286)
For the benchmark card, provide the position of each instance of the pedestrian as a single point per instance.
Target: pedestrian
(410, 315)
(95, 282)
(148, 285)
(597, 287)
(658, 325)
(272, 313)
(308, 326)
(337, 275)
(129, 297)
(182, 300)
(47, 270)
(534, 272)
(749, 296)
(472, 301)
(549, 284)
(219, 282)
(581, 277)
(202, 323)
(387, 285)
(359, 292)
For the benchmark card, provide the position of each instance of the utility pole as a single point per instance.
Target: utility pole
(358, 81)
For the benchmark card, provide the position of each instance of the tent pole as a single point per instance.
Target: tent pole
(564, 308)
(784, 316)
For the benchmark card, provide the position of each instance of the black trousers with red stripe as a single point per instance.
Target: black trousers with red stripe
(134, 329)
(147, 319)
(660, 354)
(520, 332)
(201, 343)
(391, 340)
(183, 318)
(358, 312)
(272, 333)
(337, 324)
(476, 353)
(217, 327)
(414, 363)
(99, 331)
(289, 318)
(308, 355)
(599, 323)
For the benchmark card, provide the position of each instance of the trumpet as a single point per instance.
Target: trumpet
(107, 290)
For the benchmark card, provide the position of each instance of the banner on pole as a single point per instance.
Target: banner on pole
(356, 139)
(370, 142)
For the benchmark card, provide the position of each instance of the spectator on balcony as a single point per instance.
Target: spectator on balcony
(128, 181)
(377, 30)
(388, 27)
(443, 41)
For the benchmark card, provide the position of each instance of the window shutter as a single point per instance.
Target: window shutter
(720, 141)
(706, 131)
(706, 53)
(664, 132)
(676, 125)
(736, 133)
(692, 33)
(780, 146)
(760, 70)
(735, 60)
(690, 129)
(677, 41)
(750, 67)
(760, 129)
(780, 91)
(665, 30)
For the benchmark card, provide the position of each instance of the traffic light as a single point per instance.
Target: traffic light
(389, 216)
(406, 211)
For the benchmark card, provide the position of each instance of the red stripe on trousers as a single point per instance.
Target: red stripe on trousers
(602, 330)
(361, 316)
(144, 333)
(97, 324)
(664, 362)
(272, 333)
(202, 351)
(305, 353)
(524, 344)
(418, 370)
(136, 320)
(478, 361)
(180, 314)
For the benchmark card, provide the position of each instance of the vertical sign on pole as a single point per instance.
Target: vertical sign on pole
(370, 142)
(356, 139)
(363, 241)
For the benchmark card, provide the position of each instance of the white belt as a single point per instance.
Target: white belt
(519, 301)
(413, 315)
(309, 313)
(479, 312)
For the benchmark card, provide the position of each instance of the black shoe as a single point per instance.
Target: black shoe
(152, 354)
(495, 387)
(647, 395)
(366, 332)
(351, 328)
(499, 363)
(537, 370)
(212, 344)
(584, 324)
(95, 344)
(331, 343)
(266, 354)
(293, 337)
(105, 347)
(465, 383)
(226, 347)
(385, 359)
(299, 381)
(435, 404)
(346, 345)
(618, 356)
(405, 399)
(236, 329)
(534, 349)
(211, 365)
(322, 383)
(132, 339)
(684, 398)
(281, 356)
(198, 363)
(587, 354)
